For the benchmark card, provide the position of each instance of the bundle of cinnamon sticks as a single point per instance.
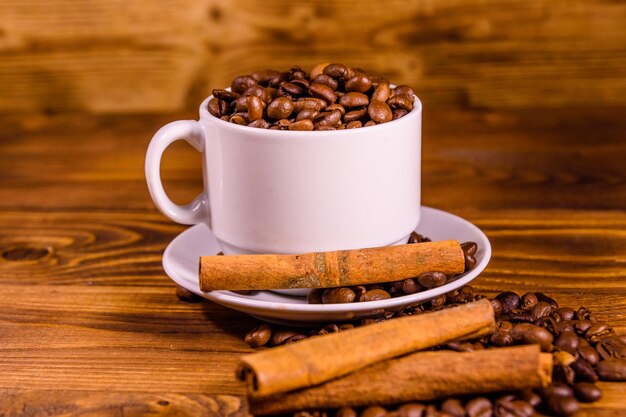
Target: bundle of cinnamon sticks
(385, 364)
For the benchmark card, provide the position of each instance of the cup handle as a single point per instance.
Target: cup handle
(191, 131)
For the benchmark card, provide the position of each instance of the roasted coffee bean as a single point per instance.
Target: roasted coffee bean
(432, 279)
(509, 300)
(379, 111)
(505, 326)
(382, 92)
(242, 83)
(497, 306)
(323, 92)
(264, 77)
(261, 123)
(374, 411)
(258, 336)
(469, 248)
(541, 309)
(326, 80)
(280, 108)
(217, 107)
(567, 342)
(597, 331)
(404, 89)
(411, 410)
(283, 124)
(417, 238)
(355, 115)
(438, 302)
(281, 335)
(584, 371)
(479, 407)
(528, 333)
(315, 296)
(346, 412)
(556, 390)
(359, 83)
(336, 106)
(398, 113)
(400, 101)
(528, 301)
(564, 326)
(613, 369)
(354, 124)
(566, 313)
(321, 127)
(470, 262)
(263, 93)
(374, 295)
(239, 119)
(307, 114)
(611, 347)
(305, 124)
(290, 90)
(501, 339)
(241, 104)
(354, 99)
(369, 123)
(411, 286)
(296, 73)
(336, 71)
(589, 354)
(582, 326)
(453, 407)
(255, 108)
(226, 95)
(587, 392)
(187, 296)
(329, 328)
(309, 103)
(530, 397)
(515, 408)
(545, 298)
(561, 406)
(338, 295)
(310, 413)
(327, 118)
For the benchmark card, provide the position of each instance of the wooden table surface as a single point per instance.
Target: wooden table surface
(90, 325)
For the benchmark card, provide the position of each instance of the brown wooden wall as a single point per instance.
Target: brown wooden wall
(165, 55)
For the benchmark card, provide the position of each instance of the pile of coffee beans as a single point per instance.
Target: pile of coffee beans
(383, 291)
(330, 97)
(584, 349)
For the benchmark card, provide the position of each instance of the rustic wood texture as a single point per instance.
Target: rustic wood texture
(144, 55)
(89, 322)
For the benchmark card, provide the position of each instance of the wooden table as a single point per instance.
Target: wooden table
(90, 325)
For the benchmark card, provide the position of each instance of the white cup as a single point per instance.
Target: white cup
(273, 191)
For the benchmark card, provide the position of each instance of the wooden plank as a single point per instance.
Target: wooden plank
(118, 56)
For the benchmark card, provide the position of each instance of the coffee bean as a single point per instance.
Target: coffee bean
(255, 108)
(566, 313)
(568, 342)
(280, 108)
(338, 295)
(613, 369)
(290, 90)
(318, 69)
(528, 301)
(541, 309)
(261, 123)
(597, 331)
(432, 279)
(556, 390)
(411, 286)
(225, 95)
(589, 354)
(470, 262)
(296, 73)
(354, 99)
(479, 407)
(281, 335)
(398, 113)
(303, 83)
(307, 114)
(379, 111)
(545, 298)
(381, 93)
(369, 123)
(515, 408)
(323, 91)
(242, 83)
(263, 77)
(611, 347)
(453, 407)
(283, 124)
(404, 89)
(264, 94)
(315, 296)
(529, 334)
(587, 392)
(530, 397)
(217, 107)
(438, 302)
(309, 103)
(355, 115)
(346, 412)
(327, 118)
(326, 80)
(582, 326)
(501, 339)
(239, 119)
(469, 248)
(187, 296)
(329, 328)
(374, 411)
(400, 102)
(258, 336)
(562, 406)
(336, 71)
(564, 326)
(354, 124)
(318, 127)
(509, 300)
(305, 124)
(497, 306)
(359, 83)
(584, 371)
(374, 295)
(411, 410)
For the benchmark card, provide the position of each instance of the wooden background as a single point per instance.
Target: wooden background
(524, 134)
(117, 56)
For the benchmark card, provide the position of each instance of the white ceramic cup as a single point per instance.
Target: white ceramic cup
(273, 191)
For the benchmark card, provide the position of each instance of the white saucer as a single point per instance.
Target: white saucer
(180, 262)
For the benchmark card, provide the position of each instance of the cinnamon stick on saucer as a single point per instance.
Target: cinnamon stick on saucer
(321, 358)
(329, 269)
(421, 376)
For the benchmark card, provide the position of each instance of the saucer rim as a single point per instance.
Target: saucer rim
(224, 297)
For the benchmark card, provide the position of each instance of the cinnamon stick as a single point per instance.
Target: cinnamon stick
(421, 376)
(329, 269)
(319, 359)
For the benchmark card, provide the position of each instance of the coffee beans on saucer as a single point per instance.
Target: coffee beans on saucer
(329, 97)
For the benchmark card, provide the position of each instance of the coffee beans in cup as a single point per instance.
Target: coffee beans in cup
(329, 97)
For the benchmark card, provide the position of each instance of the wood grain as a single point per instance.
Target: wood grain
(117, 56)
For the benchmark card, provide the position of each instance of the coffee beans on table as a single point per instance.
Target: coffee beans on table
(330, 97)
